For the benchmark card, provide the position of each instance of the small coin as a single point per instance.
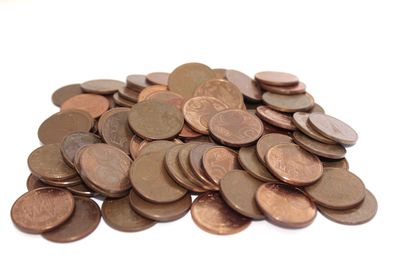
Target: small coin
(160, 212)
(196, 160)
(128, 94)
(65, 92)
(34, 183)
(285, 206)
(337, 189)
(168, 97)
(158, 78)
(150, 90)
(287, 162)
(72, 142)
(82, 190)
(288, 103)
(317, 108)
(298, 88)
(270, 140)
(93, 104)
(235, 127)
(42, 209)
(276, 78)
(118, 214)
(83, 221)
(335, 163)
(219, 73)
(155, 146)
(246, 85)
(333, 128)
(102, 86)
(249, 161)
(275, 118)
(122, 102)
(238, 189)
(137, 82)
(213, 215)
(134, 146)
(300, 119)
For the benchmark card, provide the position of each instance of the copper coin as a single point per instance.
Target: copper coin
(42, 209)
(72, 142)
(64, 183)
(83, 222)
(108, 113)
(212, 215)
(122, 102)
(270, 140)
(82, 190)
(337, 189)
(118, 214)
(168, 97)
(160, 212)
(238, 189)
(287, 162)
(134, 146)
(219, 73)
(235, 127)
(335, 163)
(285, 205)
(111, 101)
(277, 78)
(65, 92)
(317, 108)
(288, 103)
(154, 120)
(186, 78)
(152, 182)
(275, 118)
(298, 88)
(102, 86)
(199, 110)
(156, 146)
(46, 162)
(137, 82)
(246, 85)
(269, 128)
(223, 90)
(129, 94)
(93, 104)
(300, 119)
(362, 213)
(53, 129)
(333, 128)
(150, 90)
(196, 160)
(159, 78)
(188, 133)
(34, 183)
(249, 161)
(219, 160)
(323, 150)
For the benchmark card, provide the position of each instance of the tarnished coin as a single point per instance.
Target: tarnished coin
(159, 78)
(150, 90)
(118, 214)
(212, 215)
(333, 128)
(285, 90)
(275, 118)
(269, 128)
(64, 183)
(134, 146)
(235, 127)
(270, 140)
(335, 163)
(249, 161)
(129, 94)
(188, 133)
(219, 73)
(288, 103)
(337, 189)
(317, 108)
(108, 113)
(72, 142)
(160, 212)
(238, 189)
(285, 206)
(246, 85)
(300, 119)
(156, 146)
(186, 78)
(168, 97)
(93, 104)
(102, 86)
(154, 120)
(82, 190)
(293, 165)
(137, 82)
(83, 221)
(196, 159)
(65, 92)
(42, 209)
(276, 78)
(122, 102)
(33, 183)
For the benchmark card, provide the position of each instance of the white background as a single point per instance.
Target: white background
(347, 52)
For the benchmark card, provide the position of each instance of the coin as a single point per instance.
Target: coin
(72, 142)
(235, 127)
(83, 221)
(219, 73)
(42, 209)
(134, 146)
(158, 78)
(108, 113)
(269, 128)
(160, 212)
(238, 189)
(270, 140)
(275, 118)
(249, 161)
(337, 189)
(102, 86)
(65, 92)
(334, 163)
(154, 120)
(188, 133)
(300, 119)
(333, 128)
(34, 183)
(317, 108)
(150, 90)
(64, 183)
(246, 85)
(137, 82)
(122, 102)
(276, 78)
(211, 214)
(128, 94)
(285, 206)
(196, 160)
(93, 104)
(288, 103)
(287, 162)
(82, 190)
(155, 146)
(118, 214)
(298, 88)
(168, 97)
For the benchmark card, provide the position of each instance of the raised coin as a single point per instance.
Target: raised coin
(275, 118)
(276, 78)
(137, 82)
(335, 163)
(72, 142)
(82, 190)
(150, 90)
(129, 94)
(65, 92)
(34, 183)
(120, 101)
(249, 161)
(93, 104)
(288, 103)
(168, 97)
(300, 119)
(246, 85)
(102, 86)
(270, 140)
(298, 88)
(159, 78)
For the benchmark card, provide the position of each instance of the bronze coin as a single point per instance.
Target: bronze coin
(337, 189)
(219, 73)
(47, 163)
(34, 183)
(128, 94)
(108, 113)
(152, 182)
(72, 142)
(298, 88)
(196, 160)
(213, 215)
(300, 119)
(323, 150)
(288, 103)
(137, 82)
(285, 205)
(235, 127)
(150, 90)
(156, 146)
(249, 161)
(53, 129)
(275, 118)
(269, 128)
(83, 222)
(118, 214)
(246, 85)
(222, 90)
(134, 146)
(154, 120)
(122, 102)
(362, 213)
(335, 163)
(270, 140)
(160, 212)
(333, 128)
(276, 78)
(64, 183)
(42, 209)
(111, 101)
(219, 160)
(102, 86)
(65, 92)
(238, 189)
(93, 104)
(158, 78)
(168, 97)
(199, 110)
(188, 133)
(287, 162)
(317, 108)
(82, 190)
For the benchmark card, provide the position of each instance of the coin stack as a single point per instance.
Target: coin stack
(247, 149)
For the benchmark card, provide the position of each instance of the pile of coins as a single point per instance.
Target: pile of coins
(249, 149)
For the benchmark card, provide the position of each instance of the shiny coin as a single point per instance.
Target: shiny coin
(275, 118)
(150, 90)
(288, 103)
(300, 119)
(270, 140)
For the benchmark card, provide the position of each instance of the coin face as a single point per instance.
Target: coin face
(298, 88)
(276, 78)
(155, 146)
(72, 142)
(102, 86)
(160, 78)
(168, 97)
(300, 119)
(246, 85)
(65, 92)
(288, 103)
(93, 104)
(270, 140)
(249, 161)
(150, 90)
(275, 118)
